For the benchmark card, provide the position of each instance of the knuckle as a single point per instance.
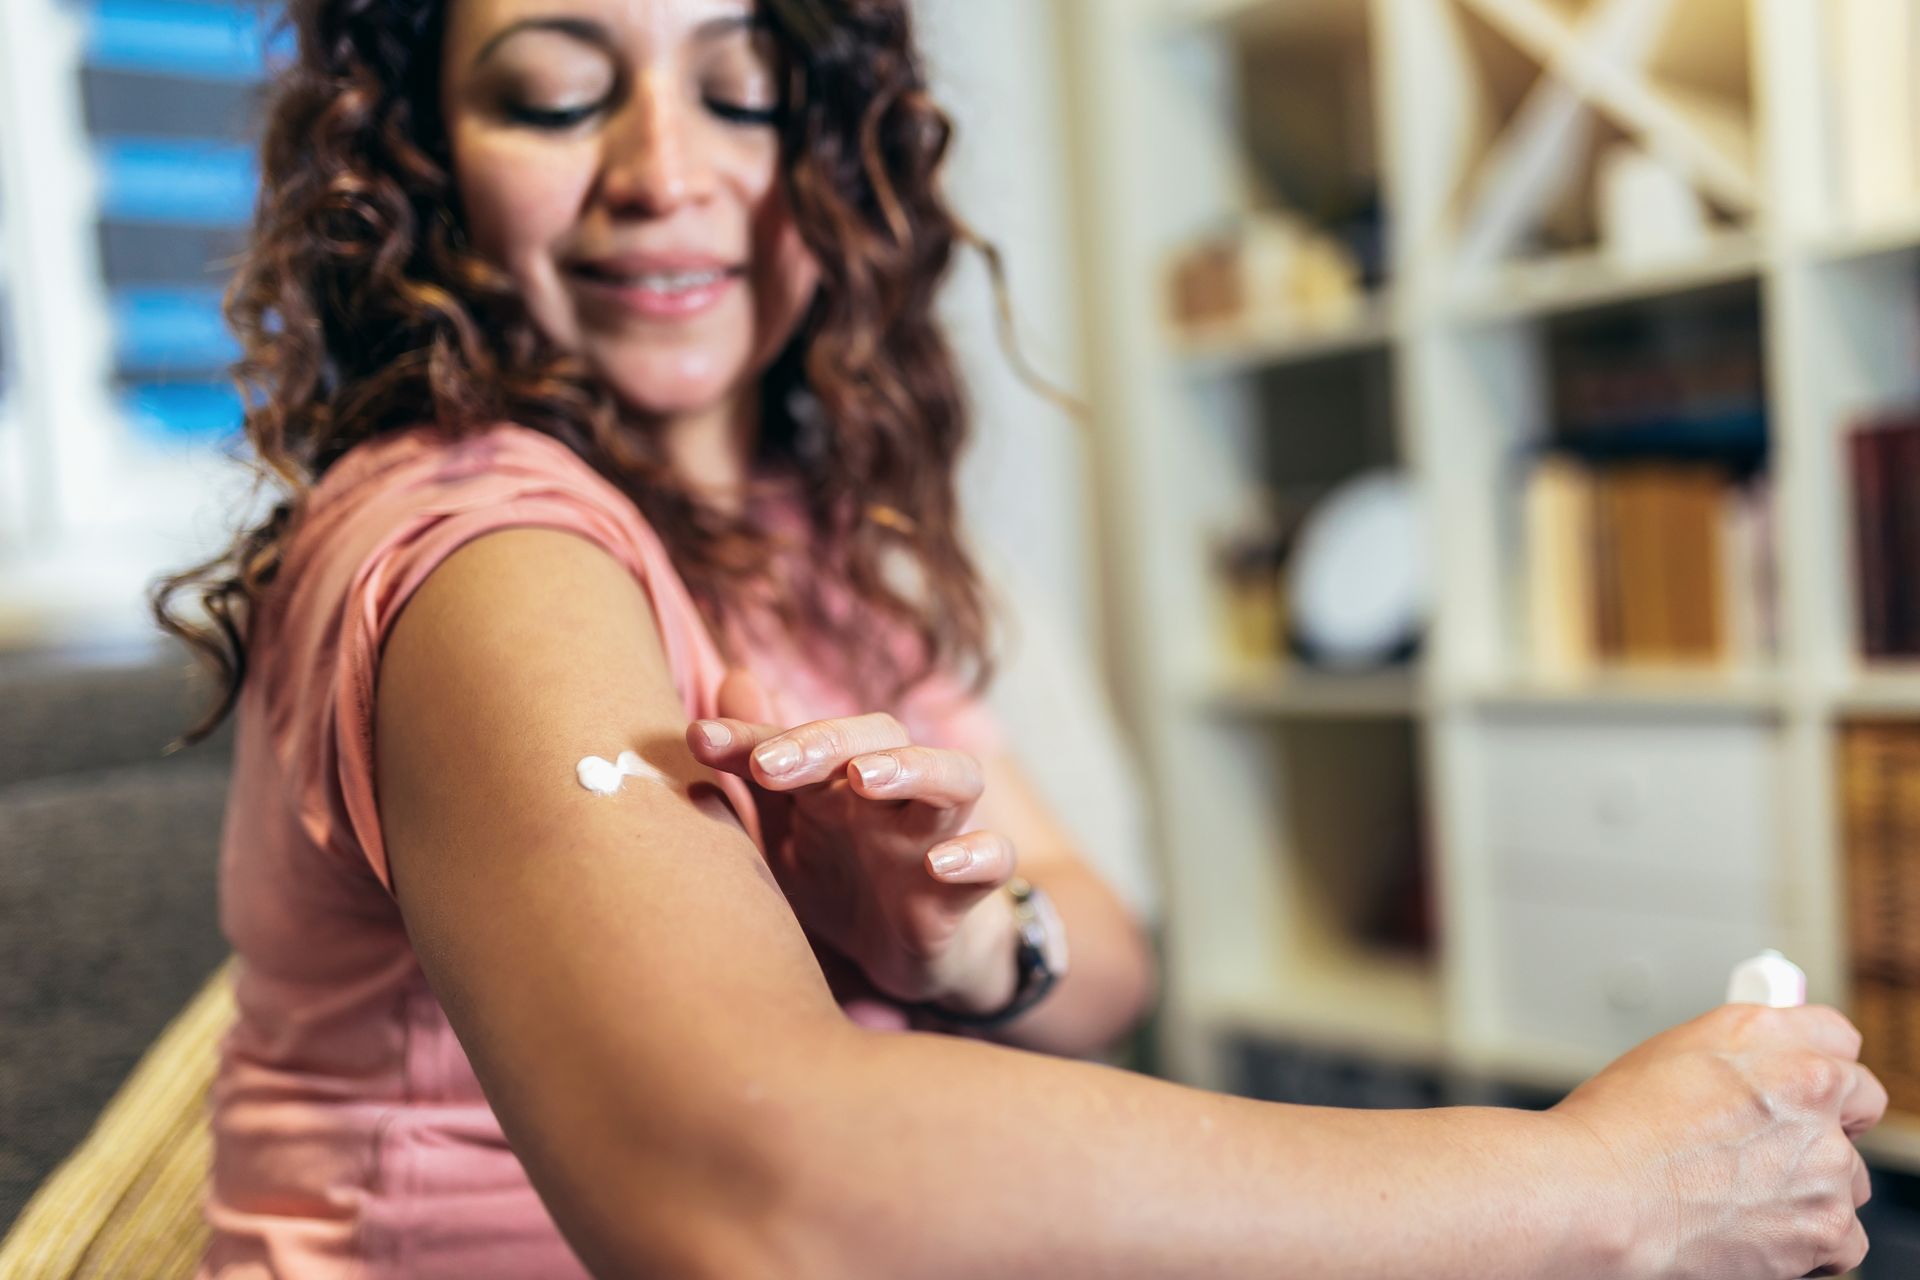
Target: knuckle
(1805, 1079)
(827, 738)
(1841, 1163)
(1813, 1077)
(1833, 1224)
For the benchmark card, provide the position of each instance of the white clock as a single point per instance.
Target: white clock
(1359, 584)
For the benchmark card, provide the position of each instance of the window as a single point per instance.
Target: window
(127, 177)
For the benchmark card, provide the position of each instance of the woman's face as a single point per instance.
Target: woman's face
(621, 160)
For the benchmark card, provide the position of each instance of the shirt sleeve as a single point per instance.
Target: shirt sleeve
(371, 561)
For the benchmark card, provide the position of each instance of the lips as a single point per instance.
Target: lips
(659, 286)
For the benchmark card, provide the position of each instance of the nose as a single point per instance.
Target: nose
(654, 162)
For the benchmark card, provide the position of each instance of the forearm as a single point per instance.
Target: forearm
(969, 1160)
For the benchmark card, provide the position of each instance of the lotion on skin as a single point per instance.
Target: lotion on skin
(605, 777)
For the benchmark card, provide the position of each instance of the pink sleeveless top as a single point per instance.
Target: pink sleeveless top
(351, 1138)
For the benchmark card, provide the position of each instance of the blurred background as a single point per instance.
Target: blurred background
(1478, 608)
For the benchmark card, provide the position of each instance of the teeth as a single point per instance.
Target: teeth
(668, 282)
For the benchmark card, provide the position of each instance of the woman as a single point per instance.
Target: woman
(594, 340)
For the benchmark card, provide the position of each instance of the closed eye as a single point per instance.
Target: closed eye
(734, 113)
(557, 118)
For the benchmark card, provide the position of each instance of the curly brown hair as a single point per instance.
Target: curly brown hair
(361, 310)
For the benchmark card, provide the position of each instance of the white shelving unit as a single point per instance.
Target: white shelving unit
(1586, 893)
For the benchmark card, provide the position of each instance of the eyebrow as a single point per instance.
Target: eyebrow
(590, 32)
(583, 29)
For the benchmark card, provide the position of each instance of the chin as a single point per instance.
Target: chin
(674, 383)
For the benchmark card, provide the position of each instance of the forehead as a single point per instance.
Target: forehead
(471, 22)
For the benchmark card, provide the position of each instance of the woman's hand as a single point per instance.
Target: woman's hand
(1736, 1130)
(866, 834)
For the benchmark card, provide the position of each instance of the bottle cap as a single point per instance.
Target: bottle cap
(1770, 979)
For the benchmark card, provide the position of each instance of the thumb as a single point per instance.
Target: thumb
(741, 697)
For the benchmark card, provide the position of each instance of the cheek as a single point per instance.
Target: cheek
(518, 202)
(786, 276)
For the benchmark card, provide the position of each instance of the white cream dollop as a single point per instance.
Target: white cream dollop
(605, 777)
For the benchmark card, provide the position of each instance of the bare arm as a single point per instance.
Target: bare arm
(655, 1034)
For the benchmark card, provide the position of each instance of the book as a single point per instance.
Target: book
(1879, 795)
(1883, 458)
(1661, 561)
(1659, 564)
(1561, 573)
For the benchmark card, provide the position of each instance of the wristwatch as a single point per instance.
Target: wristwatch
(1040, 956)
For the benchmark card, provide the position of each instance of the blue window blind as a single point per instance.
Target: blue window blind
(172, 92)
(189, 39)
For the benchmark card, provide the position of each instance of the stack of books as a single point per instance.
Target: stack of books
(1880, 815)
(1885, 459)
(1646, 564)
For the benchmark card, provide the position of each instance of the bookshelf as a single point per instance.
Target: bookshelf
(1285, 690)
(1272, 342)
(1602, 845)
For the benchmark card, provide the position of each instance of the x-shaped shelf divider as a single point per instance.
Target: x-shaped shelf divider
(1599, 64)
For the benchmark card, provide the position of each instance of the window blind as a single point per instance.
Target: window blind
(171, 92)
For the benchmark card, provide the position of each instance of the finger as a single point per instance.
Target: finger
(727, 744)
(1862, 1182)
(982, 859)
(1849, 1255)
(1825, 1028)
(929, 775)
(877, 1015)
(819, 750)
(1865, 1103)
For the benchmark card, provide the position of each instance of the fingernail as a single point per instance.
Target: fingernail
(949, 858)
(717, 735)
(778, 757)
(877, 770)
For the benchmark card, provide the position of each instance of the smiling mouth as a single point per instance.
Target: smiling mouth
(666, 283)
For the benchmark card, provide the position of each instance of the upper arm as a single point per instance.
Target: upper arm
(622, 971)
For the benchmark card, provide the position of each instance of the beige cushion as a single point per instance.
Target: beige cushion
(127, 1202)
